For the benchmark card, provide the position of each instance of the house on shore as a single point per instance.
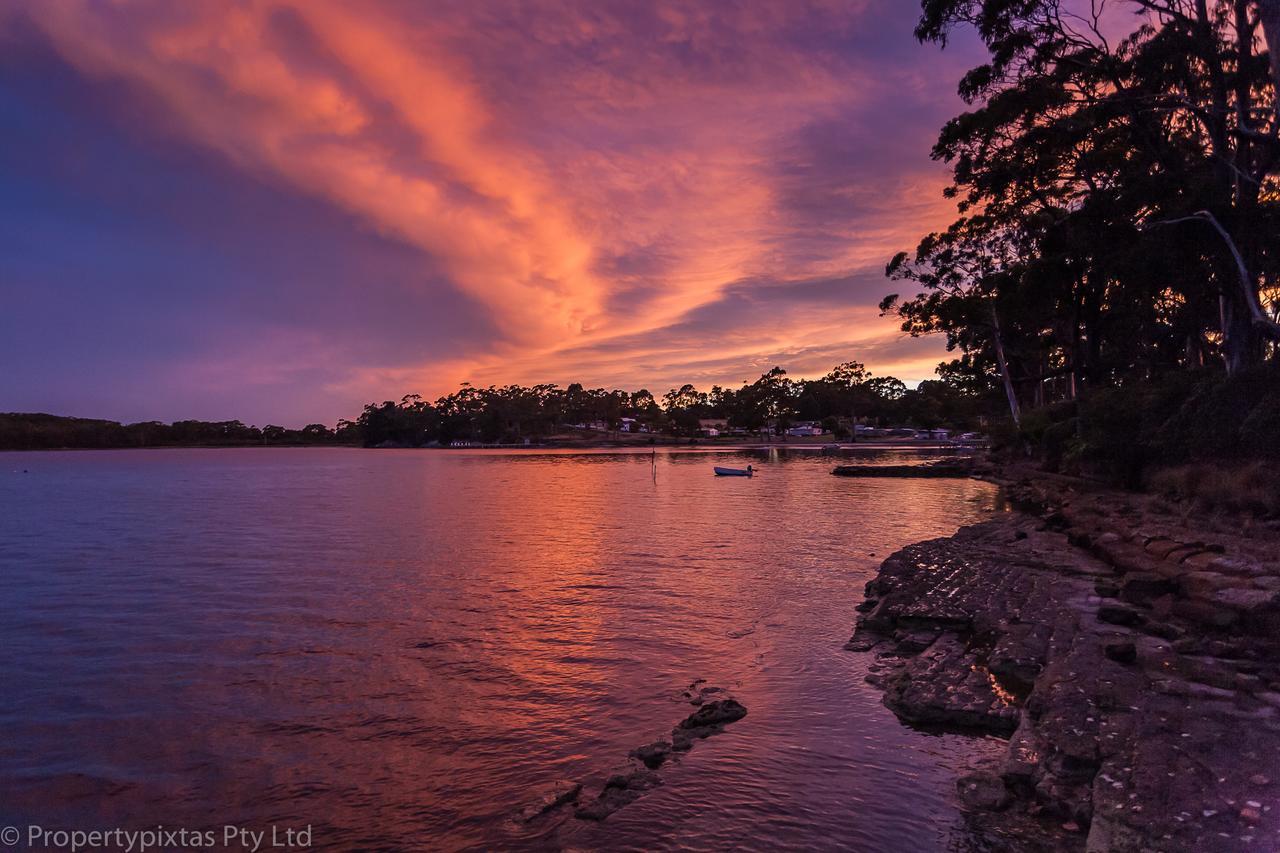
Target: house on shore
(804, 428)
(712, 427)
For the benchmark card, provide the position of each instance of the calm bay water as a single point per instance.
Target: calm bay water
(398, 648)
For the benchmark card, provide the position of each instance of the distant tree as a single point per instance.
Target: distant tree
(887, 387)
(686, 397)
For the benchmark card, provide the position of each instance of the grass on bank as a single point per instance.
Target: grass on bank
(1251, 488)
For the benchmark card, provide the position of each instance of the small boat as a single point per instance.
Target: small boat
(733, 472)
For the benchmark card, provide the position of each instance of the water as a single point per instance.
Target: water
(398, 648)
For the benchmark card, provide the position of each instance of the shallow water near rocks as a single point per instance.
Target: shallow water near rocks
(403, 649)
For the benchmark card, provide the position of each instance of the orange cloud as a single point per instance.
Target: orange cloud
(595, 176)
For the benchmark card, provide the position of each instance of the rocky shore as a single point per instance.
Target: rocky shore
(1128, 654)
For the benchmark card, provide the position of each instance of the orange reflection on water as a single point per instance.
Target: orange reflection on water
(399, 647)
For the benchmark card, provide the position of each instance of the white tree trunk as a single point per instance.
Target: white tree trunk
(1004, 369)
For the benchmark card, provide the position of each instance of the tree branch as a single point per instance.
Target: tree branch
(1260, 319)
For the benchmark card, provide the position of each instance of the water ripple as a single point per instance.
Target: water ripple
(398, 647)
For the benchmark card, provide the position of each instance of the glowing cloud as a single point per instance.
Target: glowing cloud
(631, 194)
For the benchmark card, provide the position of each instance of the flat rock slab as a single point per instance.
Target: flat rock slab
(947, 686)
(1133, 727)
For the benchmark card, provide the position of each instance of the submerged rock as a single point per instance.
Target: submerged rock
(681, 740)
(619, 790)
(714, 713)
(551, 798)
(653, 755)
(983, 791)
(626, 787)
(863, 642)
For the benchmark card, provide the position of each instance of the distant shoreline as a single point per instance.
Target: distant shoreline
(669, 444)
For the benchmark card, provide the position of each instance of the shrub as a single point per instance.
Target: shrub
(1260, 431)
(1059, 443)
(1210, 422)
(1251, 487)
(1176, 418)
(1114, 432)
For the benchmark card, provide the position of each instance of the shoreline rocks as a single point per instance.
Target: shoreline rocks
(1140, 699)
(638, 776)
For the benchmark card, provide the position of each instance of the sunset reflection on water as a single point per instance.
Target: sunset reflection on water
(399, 647)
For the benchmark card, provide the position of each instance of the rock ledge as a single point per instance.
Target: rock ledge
(1138, 685)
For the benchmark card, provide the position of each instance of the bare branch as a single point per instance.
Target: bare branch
(1260, 319)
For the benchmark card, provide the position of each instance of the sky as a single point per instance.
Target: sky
(278, 211)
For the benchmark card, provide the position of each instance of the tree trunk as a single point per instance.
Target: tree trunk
(1004, 369)
(1241, 343)
(1244, 322)
(1195, 351)
(1269, 16)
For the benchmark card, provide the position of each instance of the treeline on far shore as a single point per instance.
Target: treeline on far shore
(31, 431)
(768, 407)
(514, 414)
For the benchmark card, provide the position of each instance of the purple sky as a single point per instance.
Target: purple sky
(280, 211)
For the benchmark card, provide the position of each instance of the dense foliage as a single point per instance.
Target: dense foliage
(1120, 211)
(513, 414)
(1114, 268)
(1182, 418)
(42, 432)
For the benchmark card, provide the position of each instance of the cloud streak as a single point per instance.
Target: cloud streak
(630, 194)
